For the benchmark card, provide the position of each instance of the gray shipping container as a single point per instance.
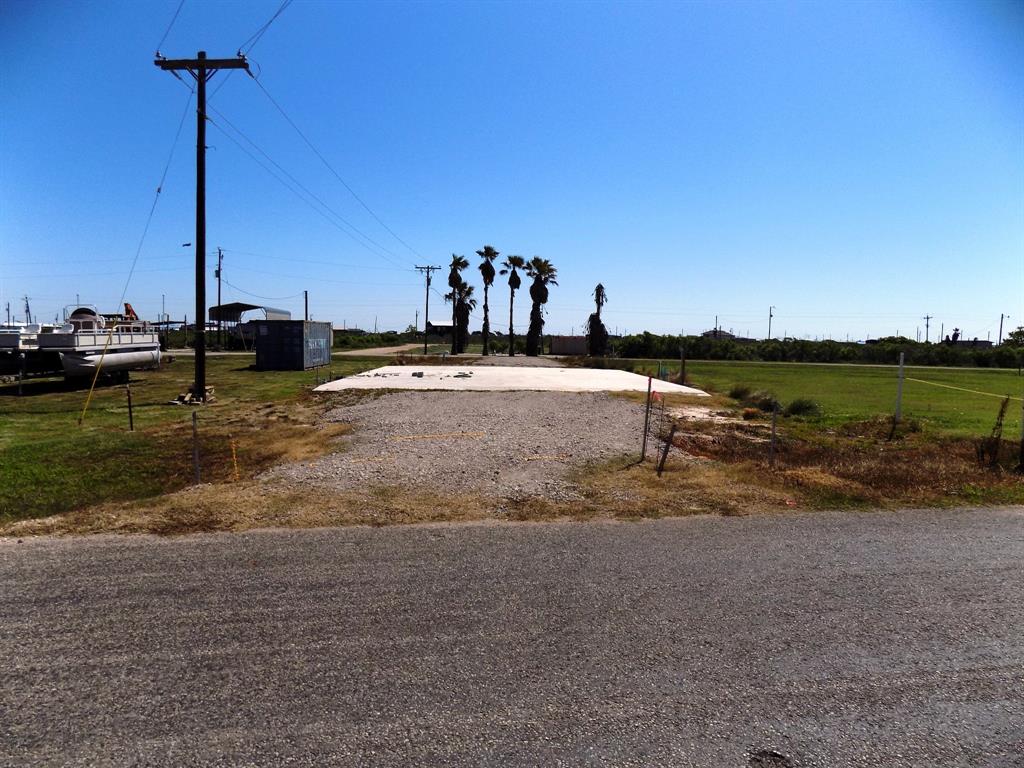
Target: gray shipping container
(292, 345)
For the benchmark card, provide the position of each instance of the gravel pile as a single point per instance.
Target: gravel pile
(510, 445)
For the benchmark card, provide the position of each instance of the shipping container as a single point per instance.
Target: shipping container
(292, 345)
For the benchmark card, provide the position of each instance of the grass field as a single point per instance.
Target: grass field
(936, 397)
(49, 464)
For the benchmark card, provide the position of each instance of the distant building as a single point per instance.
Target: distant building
(568, 345)
(440, 328)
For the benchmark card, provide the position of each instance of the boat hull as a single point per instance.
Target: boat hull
(85, 363)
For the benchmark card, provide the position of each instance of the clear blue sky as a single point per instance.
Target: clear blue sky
(858, 165)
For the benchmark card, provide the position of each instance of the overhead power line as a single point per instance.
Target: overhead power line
(334, 172)
(167, 31)
(310, 193)
(257, 296)
(255, 36)
(296, 188)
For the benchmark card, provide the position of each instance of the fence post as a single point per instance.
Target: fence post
(21, 371)
(668, 446)
(1020, 462)
(647, 418)
(682, 364)
(131, 417)
(771, 445)
(195, 445)
(899, 393)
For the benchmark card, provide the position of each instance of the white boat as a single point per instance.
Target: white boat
(19, 346)
(115, 344)
(20, 337)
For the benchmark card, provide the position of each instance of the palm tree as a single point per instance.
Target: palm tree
(597, 334)
(461, 298)
(510, 267)
(458, 264)
(543, 274)
(600, 298)
(463, 306)
(488, 254)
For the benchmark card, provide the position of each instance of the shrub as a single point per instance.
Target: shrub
(763, 401)
(803, 406)
(739, 392)
(750, 413)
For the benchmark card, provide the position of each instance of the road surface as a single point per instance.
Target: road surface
(854, 639)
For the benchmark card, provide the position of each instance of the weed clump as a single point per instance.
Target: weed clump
(803, 406)
(763, 401)
(739, 392)
(750, 413)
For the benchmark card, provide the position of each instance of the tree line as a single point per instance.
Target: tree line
(542, 274)
(884, 351)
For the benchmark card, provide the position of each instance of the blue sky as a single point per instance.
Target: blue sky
(857, 165)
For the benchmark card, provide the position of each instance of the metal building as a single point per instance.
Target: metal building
(292, 345)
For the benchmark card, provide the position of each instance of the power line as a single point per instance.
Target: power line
(167, 31)
(305, 189)
(255, 36)
(292, 259)
(257, 296)
(334, 172)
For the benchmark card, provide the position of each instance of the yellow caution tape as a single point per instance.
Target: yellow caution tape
(961, 389)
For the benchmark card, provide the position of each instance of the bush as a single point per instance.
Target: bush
(803, 406)
(750, 413)
(763, 401)
(739, 392)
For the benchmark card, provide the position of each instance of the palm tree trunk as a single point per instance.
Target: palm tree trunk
(455, 326)
(511, 333)
(486, 330)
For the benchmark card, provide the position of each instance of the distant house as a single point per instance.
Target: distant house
(718, 333)
(440, 328)
(568, 345)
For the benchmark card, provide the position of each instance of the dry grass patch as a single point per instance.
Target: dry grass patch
(248, 505)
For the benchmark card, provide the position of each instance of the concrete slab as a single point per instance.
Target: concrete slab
(502, 379)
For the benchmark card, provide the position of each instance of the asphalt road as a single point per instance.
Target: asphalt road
(888, 639)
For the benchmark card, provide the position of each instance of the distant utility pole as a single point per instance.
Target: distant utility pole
(771, 314)
(202, 69)
(1001, 316)
(28, 312)
(305, 303)
(426, 308)
(220, 261)
(8, 313)
(927, 322)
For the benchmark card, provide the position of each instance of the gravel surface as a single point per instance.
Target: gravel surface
(507, 445)
(858, 639)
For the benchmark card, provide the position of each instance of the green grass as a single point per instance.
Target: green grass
(857, 392)
(50, 464)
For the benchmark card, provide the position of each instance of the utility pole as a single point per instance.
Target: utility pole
(426, 308)
(927, 322)
(220, 260)
(305, 302)
(8, 313)
(202, 69)
(1001, 316)
(771, 314)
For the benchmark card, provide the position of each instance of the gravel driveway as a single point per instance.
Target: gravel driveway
(508, 445)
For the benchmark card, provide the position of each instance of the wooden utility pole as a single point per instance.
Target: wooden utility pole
(202, 69)
(305, 304)
(426, 308)
(927, 323)
(220, 261)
